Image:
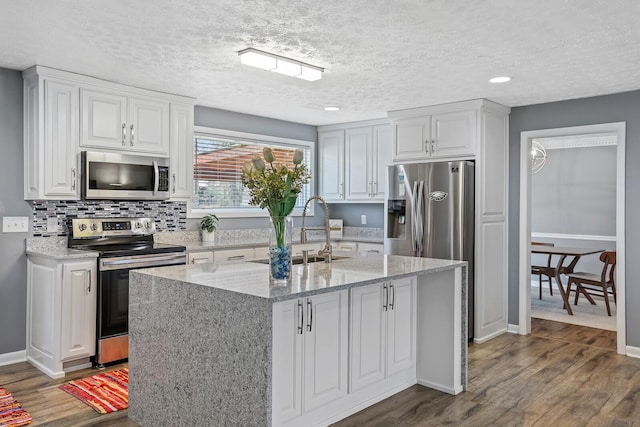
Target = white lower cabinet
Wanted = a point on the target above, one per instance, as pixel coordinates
(383, 331)
(61, 314)
(310, 356)
(233, 255)
(205, 257)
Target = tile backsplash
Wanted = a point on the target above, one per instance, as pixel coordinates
(169, 216)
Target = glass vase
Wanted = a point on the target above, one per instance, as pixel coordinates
(280, 250)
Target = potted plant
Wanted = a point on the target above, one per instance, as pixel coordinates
(208, 226)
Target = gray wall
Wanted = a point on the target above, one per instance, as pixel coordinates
(350, 213)
(624, 107)
(239, 122)
(575, 193)
(13, 268)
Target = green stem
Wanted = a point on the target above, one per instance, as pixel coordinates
(279, 228)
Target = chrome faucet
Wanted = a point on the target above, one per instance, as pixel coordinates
(326, 251)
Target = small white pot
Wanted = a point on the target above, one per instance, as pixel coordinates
(208, 237)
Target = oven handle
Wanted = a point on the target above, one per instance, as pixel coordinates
(141, 262)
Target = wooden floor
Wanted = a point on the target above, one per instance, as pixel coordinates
(560, 375)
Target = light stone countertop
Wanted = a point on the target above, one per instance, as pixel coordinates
(253, 278)
(55, 248)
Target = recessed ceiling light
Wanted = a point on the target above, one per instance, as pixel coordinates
(502, 79)
(332, 108)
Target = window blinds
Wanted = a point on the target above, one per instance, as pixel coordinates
(217, 170)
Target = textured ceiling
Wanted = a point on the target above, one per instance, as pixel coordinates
(379, 55)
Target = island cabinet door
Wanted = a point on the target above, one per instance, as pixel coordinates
(325, 349)
(288, 330)
(368, 341)
(401, 325)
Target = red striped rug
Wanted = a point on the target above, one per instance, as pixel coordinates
(108, 392)
(11, 413)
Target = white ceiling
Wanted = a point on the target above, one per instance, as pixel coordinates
(379, 55)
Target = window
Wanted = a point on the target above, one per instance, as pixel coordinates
(217, 169)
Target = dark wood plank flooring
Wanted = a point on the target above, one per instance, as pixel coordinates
(560, 375)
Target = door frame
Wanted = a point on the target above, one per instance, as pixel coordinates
(524, 264)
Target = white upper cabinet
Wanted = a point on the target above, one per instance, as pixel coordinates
(352, 161)
(181, 167)
(331, 165)
(65, 113)
(435, 136)
(112, 120)
(50, 138)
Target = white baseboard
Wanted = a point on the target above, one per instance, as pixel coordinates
(445, 389)
(489, 337)
(11, 358)
(513, 329)
(633, 351)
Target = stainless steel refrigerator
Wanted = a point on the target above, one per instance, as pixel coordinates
(430, 213)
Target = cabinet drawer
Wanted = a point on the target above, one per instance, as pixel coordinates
(233, 255)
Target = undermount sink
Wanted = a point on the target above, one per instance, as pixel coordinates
(312, 258)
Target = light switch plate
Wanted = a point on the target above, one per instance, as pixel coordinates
(15, 224)
(363, 219)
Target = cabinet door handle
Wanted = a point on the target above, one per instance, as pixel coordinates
(426, 146)
(341, 190)
(88, 276)
(235, 258)
(309, 315)
(73, 179)
(385, 297)
(433, 146)
(375, 192)
(370, 189)
(300, 318)
(131, 135)
(174, 182)
(124, 134)
(392, 289)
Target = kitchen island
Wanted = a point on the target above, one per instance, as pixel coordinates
(216, 345)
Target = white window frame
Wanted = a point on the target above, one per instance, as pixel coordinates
(251, 211)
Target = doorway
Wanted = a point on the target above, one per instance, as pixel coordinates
(618, 131)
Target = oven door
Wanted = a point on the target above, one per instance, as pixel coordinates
(113, 300)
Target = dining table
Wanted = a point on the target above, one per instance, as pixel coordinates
(564, 253)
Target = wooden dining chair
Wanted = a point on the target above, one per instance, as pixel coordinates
(541, 270)
(601, 284)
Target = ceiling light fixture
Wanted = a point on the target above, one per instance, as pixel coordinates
(332, 108)
(538, 156)
(279, 64)
(502, 79)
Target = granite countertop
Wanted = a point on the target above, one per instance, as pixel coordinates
(193, 246)
(55, 248)
(253, 278)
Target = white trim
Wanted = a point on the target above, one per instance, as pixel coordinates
(524, 261)
(489, 337)
(253, 212)
(11, 358)
(633, 351)
(574, 236)
(577, 141)
(354, 125)
(513, 329)
(445, 389)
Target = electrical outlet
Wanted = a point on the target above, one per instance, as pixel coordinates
(363, 219)
(15, 224)
(52, 224)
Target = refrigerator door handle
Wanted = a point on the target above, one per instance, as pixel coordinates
(420, 218)
(417, 218)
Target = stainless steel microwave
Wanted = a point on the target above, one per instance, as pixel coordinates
(115, 176)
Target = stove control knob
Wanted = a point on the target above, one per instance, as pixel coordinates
(94, 227)
(138, 225)
(82, 227)
(147, 225)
